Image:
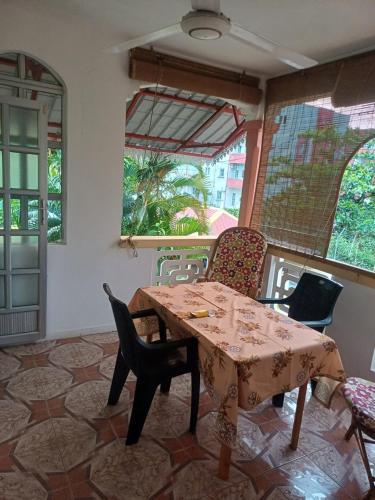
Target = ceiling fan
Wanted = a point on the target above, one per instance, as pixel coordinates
(206, 22)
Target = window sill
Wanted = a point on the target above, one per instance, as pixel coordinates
(339, 269)
(166, 241)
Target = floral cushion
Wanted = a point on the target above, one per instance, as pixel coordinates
(360, 396)
(238, 260)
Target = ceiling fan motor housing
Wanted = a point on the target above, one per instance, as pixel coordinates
(205, 24)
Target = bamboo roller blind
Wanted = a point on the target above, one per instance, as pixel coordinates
(307, 144)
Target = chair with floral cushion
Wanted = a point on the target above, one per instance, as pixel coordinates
(360, 396)
(238, 260)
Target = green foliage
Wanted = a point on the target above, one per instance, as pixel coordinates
(54, 220)
(153, 193)
(353, 235)
(300, 187)
(54, 170)
(233, 211)
(54, 229)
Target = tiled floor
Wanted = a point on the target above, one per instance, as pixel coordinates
(60, 441)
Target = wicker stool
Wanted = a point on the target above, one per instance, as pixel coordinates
(360, 396)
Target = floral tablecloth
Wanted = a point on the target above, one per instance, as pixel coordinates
(247, 351)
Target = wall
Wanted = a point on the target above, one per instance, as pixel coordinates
(97, 86)
(353, 328)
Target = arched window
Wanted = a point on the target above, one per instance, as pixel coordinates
(26, 77)
(353, 234)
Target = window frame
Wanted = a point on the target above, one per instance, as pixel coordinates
(22, 84)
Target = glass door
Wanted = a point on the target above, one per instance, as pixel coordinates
(23, 220)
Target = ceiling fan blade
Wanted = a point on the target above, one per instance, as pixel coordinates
(287, 56)
(142, 40)
(212, 5)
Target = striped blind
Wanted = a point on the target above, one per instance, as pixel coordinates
(307, 144)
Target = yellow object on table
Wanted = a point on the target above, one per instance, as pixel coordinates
(202, 313)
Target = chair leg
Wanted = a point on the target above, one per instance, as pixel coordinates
(366, 463)
(278, 400)
(118, 380)
(350, 431)
(195, 386)
(165, 386)
(313, 384)
(144, 394)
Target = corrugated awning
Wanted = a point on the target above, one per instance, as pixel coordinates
(173, 121)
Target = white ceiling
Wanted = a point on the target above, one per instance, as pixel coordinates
(321, 29)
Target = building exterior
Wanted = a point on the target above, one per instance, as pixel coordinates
(225, 178)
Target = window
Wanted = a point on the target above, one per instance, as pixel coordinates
(300, 177)
(181, 194)
(25, 77)
(233, 199)
(353, 234)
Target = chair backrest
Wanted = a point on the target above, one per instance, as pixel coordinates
(314, 298)
(238, 260)
(129, 341)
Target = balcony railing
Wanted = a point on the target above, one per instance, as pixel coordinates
(179, 265)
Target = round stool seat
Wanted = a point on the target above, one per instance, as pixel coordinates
(360, 396)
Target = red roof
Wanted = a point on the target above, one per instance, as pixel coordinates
(218, 219)
(239, 158)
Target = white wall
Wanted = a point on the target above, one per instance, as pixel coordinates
(353, 328)
(97, 88)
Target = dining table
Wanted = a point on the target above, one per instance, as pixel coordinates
(248, 352)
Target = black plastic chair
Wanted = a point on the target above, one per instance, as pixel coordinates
(311, 303)
(154, 364)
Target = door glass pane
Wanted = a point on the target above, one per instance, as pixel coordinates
(25, 290)
(23, 127)
(1, 167)
(24, 252)
(23, 171)
(24, 211)
(2, 252)
(54, 231)
(1, 212)
(2, 291)
(8, 64)
(54, 170)
(1, 124)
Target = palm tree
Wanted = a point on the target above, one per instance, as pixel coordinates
(154, 193)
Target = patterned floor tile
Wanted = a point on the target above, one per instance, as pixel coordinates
(8, 365)
(135, 472)
(107, 367)
(199, 478)
(59, 440)
(31, 349)
(102, 338)
(344, 465)
(39, 383)
(56, 445)
(18, 485)
(168, 417)
(14, 416)
(76, 355)
(300, 479)
(89, 400)
(181, 387)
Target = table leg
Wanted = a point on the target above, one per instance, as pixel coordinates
(298, 416)
(224, 462)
